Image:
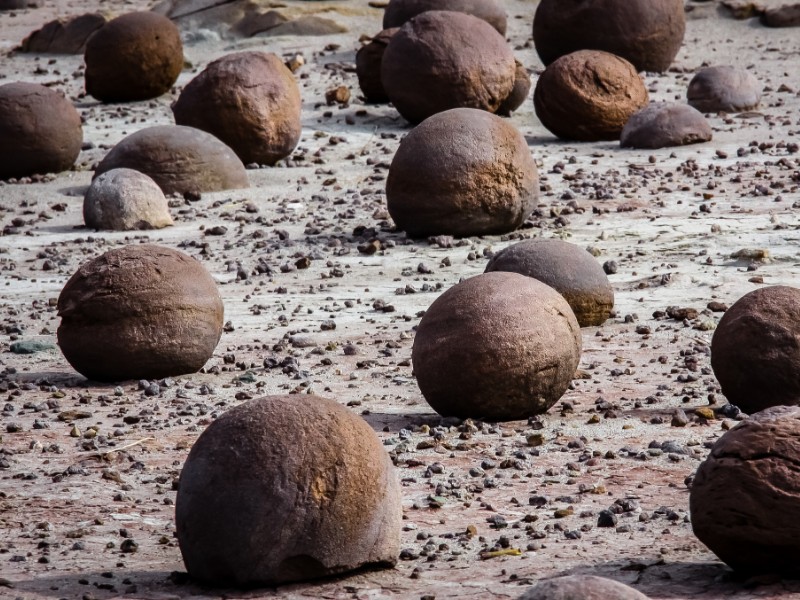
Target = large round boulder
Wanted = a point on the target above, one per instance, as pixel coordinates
(139, 312)
(40, 130)
(179, 159)
(755, 351)
(286, 488)
(124, 199)
(565, 267)
(647, 33)
(368, 66)
(441, 60)
(745, 497)
(581, 587)
(498, 346)
(250, 101)
(136, 56)
(400, 11)
(462, 172)
(588, 96)
(665, 124)
(728, 89)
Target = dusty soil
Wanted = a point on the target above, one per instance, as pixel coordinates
(671, 219)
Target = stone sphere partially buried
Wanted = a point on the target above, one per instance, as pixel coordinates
(139, 312)
(441, 60)
(728, 89)
(755, 351)
(40, 130)
(124, 199)
(588, 96)
(663, 125)
(581, 587)
(498, 346)
(491, 11)
(462, 172)
(287, 488)
(745, 497)
(567, 268)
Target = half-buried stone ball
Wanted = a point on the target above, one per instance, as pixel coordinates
(441, 60)
(250, 101)
(124, 199)
(755, 351)
(286, 488)
(499, 346)
(136, 56)
(581, 587)
(179, 159)
(588, 96)
(745, 497)
(462, 172)
(728, 89)
(139, 312)
(519, 93)
(663, 124)
(368, 66)
(40, 130)
(647, 33)
(491, 11)
(565, 267)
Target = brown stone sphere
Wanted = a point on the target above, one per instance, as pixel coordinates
(462, 172)
(499, 347)
(565, 267)
(581, 587)
(755, 351)
(368, 66)
(728, 89)
(519, 93)
(286, 488)
(647, 33)
(40, 130)
(136, 56)
(665, 124)
(588, 96)
(491, 11)
(745, 497)
(139, 312)
(179, 159)
(441, 60)
(249, 100)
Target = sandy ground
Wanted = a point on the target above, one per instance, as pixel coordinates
(671, 219)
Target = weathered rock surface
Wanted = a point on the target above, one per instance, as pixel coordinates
(728, 89)
(63, 36)
(581, 587)
(124, 199)
(400, 11)
(663, 124)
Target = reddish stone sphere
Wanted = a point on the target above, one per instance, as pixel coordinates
(647, 33)
(40, 130)
(136, 56)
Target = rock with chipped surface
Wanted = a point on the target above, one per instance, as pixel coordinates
(519, 93)
(399, 12)
(124, 199)
(581, 587)
(663, 124)
(783, 16)
(63, 36)
(725, 88)
(287, 488)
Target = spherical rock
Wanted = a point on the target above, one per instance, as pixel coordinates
(250, 101)
(499, 346)
(662, 124)
(581, 587)
(647, 33)
(441, 60)
(179, 159)
(40, 130)
(588, 96)
(755, 351)
(368, 66)
(136, 56)
(139, 312)
(728, 89)
(286, 488)
(400, 11)
(565, 267)
(124, 199)
(462, 172)
(745, 497)
(519, 93)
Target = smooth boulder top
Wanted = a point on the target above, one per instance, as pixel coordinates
(663, 124)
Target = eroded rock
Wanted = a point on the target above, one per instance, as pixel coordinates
(63, 36)
(124, 199)
(581, 587)
(728, 89)
(662, 124)
(400, 11)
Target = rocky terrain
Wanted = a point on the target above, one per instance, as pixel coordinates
(322, 296)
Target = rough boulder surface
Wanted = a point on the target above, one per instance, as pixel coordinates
(139, 312)
(64, 36)
(647, 33)
(462, 172)
(368, 66)
(755, 351)
(728, 89)
(567, 268)
(519, 93)
(745, 498)
(491, 11)
(663, 124)
(250, 101)
(498, 346)
(287, 488)
(441, 60)
(124, 199)
(581, 587)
